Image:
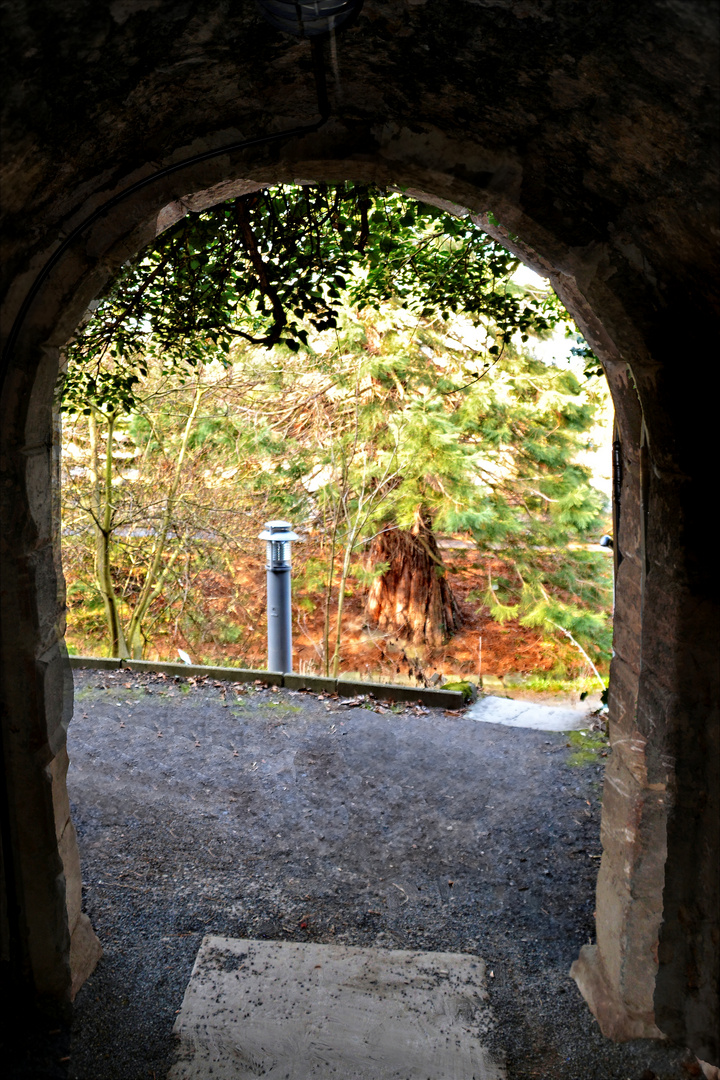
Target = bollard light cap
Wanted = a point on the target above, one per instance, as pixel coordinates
(278, 530)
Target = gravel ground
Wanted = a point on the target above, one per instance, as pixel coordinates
(218, 808)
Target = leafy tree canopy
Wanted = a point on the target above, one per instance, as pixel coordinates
(274, 265)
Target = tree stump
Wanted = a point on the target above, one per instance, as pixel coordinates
(412, 599)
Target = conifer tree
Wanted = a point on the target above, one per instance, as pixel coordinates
(490, 456)
(398, 329)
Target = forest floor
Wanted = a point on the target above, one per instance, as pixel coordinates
(214, 808)
(226, 624)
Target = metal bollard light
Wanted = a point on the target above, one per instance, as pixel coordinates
(279, 535)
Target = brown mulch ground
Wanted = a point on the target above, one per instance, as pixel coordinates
(232, 606)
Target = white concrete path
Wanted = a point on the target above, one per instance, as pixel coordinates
(300, 1011)
(526, 714)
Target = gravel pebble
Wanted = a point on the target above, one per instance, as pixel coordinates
(217, 808)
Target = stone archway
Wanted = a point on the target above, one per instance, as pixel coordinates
(624, 271)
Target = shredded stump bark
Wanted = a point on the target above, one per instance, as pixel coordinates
(412, 599)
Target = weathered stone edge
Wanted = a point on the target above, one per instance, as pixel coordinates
(616, 1020)
(444, 699)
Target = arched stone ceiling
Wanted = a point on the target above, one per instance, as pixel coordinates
(597, 120)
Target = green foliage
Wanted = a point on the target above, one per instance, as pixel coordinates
(381, 424)
(467, 689)
(275, 265)
(84, 600)
(228, 632)
(553, 683)
(586, 746)
(393, 374)
(309, 579)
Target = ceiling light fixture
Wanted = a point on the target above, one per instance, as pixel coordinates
(309, 18)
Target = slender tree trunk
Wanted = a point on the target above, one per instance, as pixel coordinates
(412, 599)
(155, 578)
(349, 546)
(102, 509)
(328, 590)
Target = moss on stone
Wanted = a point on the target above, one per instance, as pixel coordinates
(586, 746)
(467, 689)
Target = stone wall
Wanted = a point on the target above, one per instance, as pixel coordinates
(590, 133)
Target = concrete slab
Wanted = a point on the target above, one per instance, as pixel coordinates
(301, 1010)
(526, 714)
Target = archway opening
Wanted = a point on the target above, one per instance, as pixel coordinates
(416, 407)
(629, 1019)
(320, 756)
